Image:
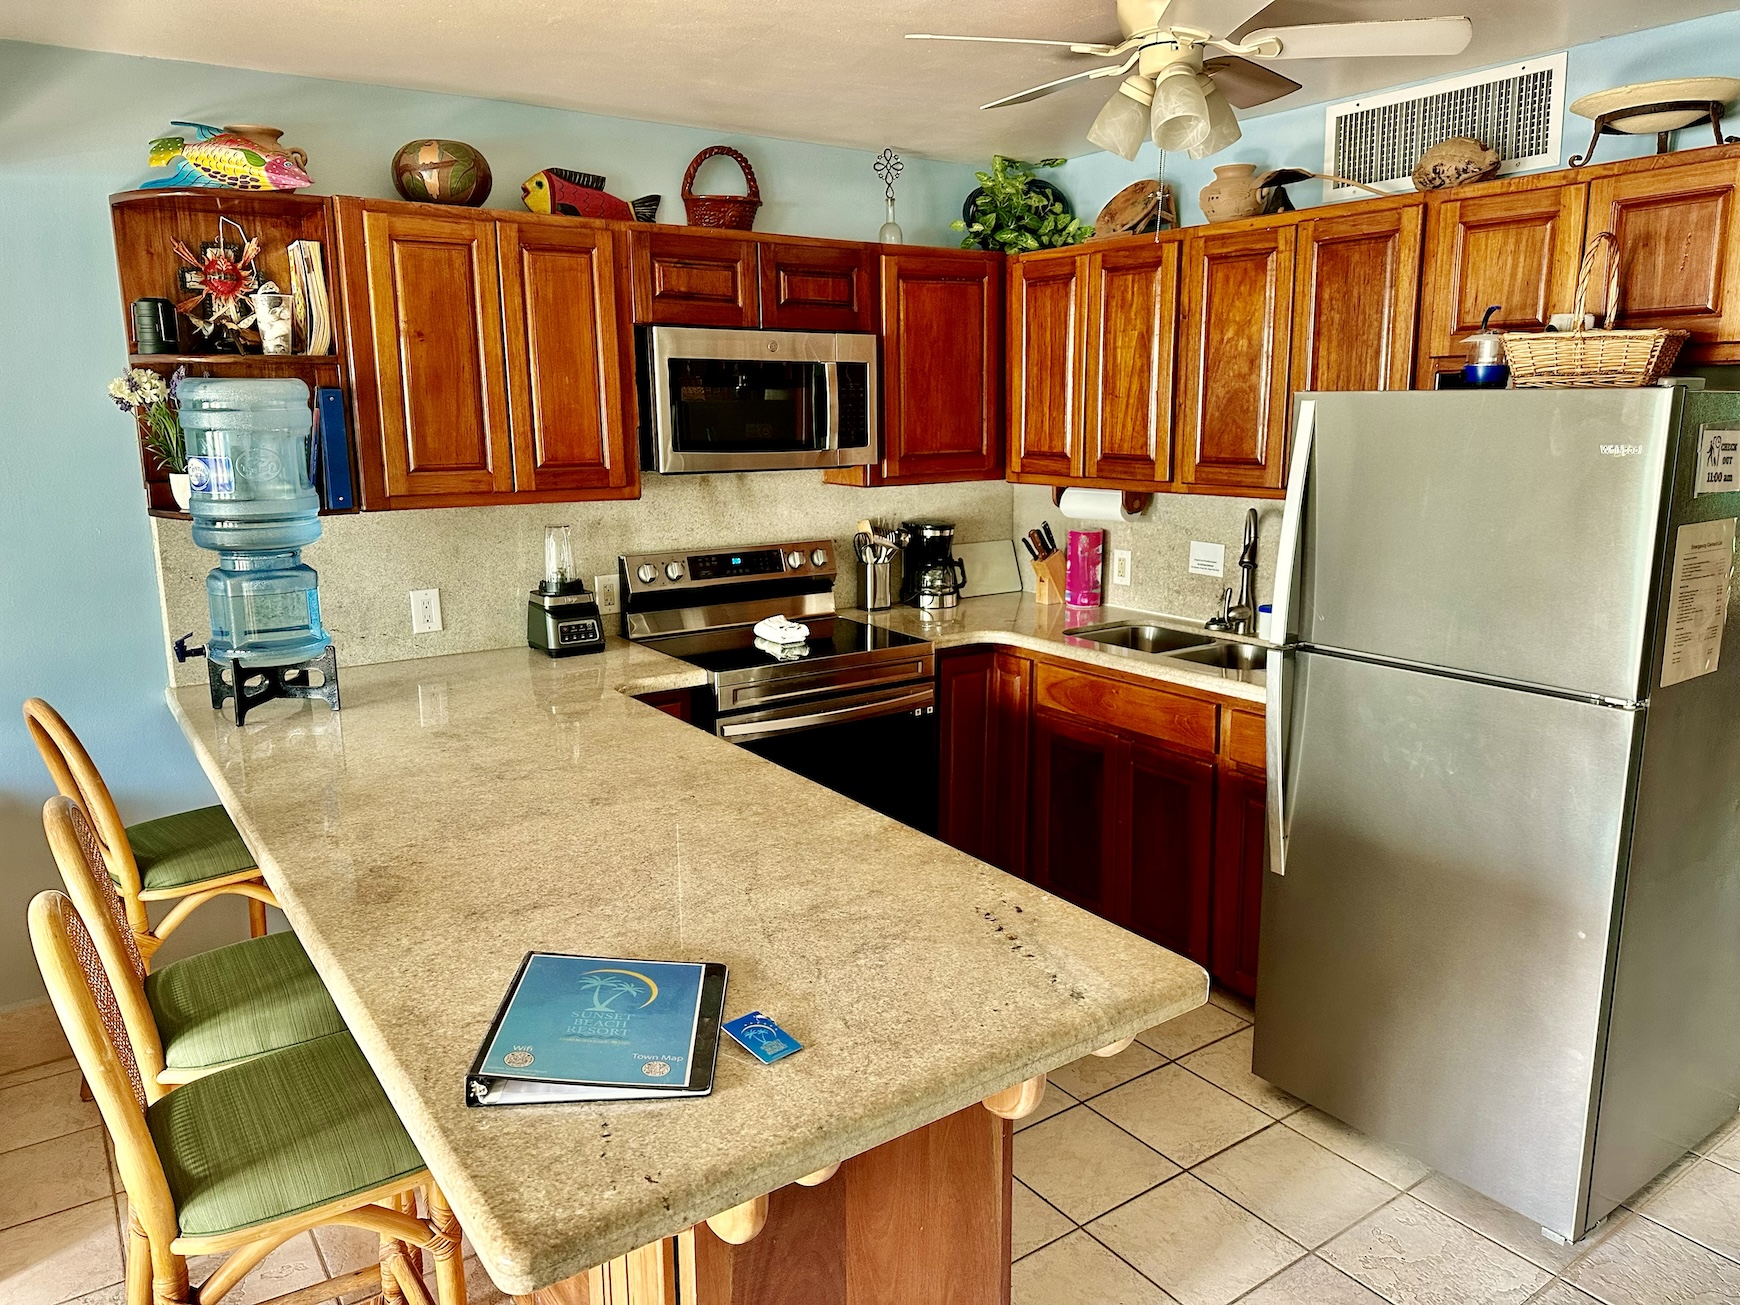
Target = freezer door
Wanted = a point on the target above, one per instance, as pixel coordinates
(1432, 963)
(1507, 533)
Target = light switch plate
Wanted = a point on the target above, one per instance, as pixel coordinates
(1207, 559)
(1122, 568)
(605, 591)
(425, 611)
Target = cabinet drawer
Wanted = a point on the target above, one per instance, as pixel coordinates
(1134, 709)
(1242, 738)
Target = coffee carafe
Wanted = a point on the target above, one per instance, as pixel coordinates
(933, 577)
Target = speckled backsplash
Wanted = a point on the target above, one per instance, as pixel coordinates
(484, 559)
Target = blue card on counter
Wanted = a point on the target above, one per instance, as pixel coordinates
(598, 1028)
(761, 1037)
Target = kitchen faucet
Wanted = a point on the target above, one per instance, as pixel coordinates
(1241, 617)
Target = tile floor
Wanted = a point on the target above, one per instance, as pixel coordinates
(1170, 1173)
(1166, 1174)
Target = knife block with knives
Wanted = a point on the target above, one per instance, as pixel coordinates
(1046, 559)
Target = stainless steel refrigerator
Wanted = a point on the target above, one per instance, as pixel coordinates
(1502, 924)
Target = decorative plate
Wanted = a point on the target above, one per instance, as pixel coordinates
(1723, 89)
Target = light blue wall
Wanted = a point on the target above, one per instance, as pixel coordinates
(1701, 47)
(80, 620)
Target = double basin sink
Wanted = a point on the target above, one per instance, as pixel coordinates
(1196, 647)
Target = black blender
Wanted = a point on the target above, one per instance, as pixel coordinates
(933, 576)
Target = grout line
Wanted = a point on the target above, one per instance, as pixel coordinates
(1073, 1225)
(1643, 1214)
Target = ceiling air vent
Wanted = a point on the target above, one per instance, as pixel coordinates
(1517, 110)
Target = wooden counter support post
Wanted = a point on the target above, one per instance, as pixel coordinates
(1019, 1101)
(1115, 1048)
(820, 1176)
(740, 1223)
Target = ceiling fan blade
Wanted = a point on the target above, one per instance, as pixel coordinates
(1222, 17)
(1079, 47)
(1400, 36)
(1037, 92)
(1246, 84)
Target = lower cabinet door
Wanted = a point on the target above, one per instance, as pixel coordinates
(1167, 841)
(1238, 877)
(1075, 800)
(965, 706)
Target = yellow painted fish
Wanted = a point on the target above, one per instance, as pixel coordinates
(215, 157)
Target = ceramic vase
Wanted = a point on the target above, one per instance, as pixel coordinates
(1233, 193)
(181, 488)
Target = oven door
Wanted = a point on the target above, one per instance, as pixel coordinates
(729, 400)
(877, 747)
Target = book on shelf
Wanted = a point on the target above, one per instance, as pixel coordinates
(597, 1028)
(311, 309)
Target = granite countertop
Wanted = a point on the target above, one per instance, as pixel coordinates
(461, 810)
(1016, 619)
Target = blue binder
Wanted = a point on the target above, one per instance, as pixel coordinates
(333, 450)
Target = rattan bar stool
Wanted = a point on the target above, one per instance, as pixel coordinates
(194, 1016)
(189, 858)
(243, 1160)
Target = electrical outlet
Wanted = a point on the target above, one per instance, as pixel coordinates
(1207, 559)
(1122, 568)
(605, 591)
(425, 611)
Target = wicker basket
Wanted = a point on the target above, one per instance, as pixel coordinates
(1603, 358)
(734, 211)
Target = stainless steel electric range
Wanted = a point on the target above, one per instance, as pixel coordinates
(853, 708)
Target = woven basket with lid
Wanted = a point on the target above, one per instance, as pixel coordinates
(736, 212)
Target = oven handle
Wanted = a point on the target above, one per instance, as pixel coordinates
(745, 731)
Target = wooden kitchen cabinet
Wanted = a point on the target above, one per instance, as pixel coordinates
(687, 278)
(942, 370)
(569, 358)
(1514, 243)
(1167, 838)
(1129, 363)
(983, 698)
(422, 292)
(811, 286)
(1679, 251)
(1355, 297)
(1046, 336)
(1232, 419)
(1078, 771)
(1240, 862)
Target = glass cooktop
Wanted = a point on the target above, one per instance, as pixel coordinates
(722, 651)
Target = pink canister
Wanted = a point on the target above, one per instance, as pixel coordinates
(1082, 578)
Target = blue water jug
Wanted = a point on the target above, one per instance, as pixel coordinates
(254, 504)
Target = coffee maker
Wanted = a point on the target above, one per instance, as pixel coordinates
(933, 576)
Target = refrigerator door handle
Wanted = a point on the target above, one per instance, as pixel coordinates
(1274, 760)
(1287, 561)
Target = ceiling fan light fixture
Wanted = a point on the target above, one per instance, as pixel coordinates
(1122, 125)
(1223, 123)
(1180, 117)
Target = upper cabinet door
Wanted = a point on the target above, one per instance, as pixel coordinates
(567, 356)
(1046, 332)
(815, 287)
(433, 342)
(1232, 424)
(1355, 298)
(1131, 347)
(1679, 252)
(684, 279)
(1518, 248)
(942, 366)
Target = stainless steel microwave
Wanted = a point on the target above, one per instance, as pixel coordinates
(713, 399)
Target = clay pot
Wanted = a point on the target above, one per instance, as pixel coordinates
(269, 137)
(1233, 193)
(1455, 162)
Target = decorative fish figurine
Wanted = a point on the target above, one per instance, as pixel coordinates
(572, 194)
(216, 157)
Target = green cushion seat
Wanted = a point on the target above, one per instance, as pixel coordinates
(239, 1001)
(188, 848)
(279, 1135)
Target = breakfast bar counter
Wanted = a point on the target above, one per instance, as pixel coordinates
(463, 810)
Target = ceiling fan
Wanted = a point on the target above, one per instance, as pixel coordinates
(1183, 100)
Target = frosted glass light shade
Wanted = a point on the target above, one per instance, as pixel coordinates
(1223, 123)
(1122, 125)
(1180, 117)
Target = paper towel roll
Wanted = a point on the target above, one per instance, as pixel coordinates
(1093, 505)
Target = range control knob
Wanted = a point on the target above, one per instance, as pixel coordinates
(819, 557)
(673, 570)
(646, 573)
(794, 559)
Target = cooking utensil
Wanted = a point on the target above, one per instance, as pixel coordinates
(1050, 539)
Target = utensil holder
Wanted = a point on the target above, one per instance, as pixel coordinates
(1048, 576)
(878, 578)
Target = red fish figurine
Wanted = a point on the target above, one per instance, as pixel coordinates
(573, 194)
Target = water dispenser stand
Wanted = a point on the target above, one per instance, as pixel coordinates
(245, 687)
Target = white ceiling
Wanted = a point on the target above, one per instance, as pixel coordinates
(830, 71)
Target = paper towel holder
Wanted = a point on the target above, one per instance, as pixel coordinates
(1135, 503)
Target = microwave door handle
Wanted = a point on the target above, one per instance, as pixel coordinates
(831, 381)
(749, 730)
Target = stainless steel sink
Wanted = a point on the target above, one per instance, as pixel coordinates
(1143, 638)
(1227, 656)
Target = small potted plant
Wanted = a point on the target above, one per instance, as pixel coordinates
(1015, 211)
(149, 399)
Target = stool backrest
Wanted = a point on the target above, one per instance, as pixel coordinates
(80, 858)
(90, 1016)
(76, 776)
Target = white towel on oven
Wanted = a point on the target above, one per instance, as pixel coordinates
(781, 629)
